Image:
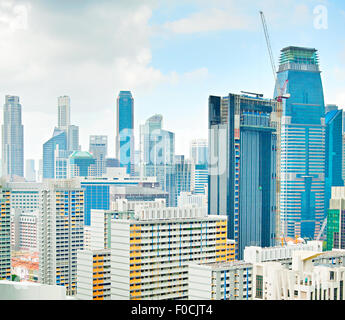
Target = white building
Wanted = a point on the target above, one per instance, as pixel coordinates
(313, 276)
(61, 232)
(24, 230)
(220, 281)
(255, 254)
(186, 199)
(11, 290)
(151, 249)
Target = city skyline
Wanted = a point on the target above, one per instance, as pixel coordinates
(162, 52)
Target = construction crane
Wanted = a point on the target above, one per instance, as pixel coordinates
(280, 90)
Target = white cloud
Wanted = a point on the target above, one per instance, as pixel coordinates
(209, 20)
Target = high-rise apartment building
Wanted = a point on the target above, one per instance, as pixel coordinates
(242, 168)
(125, 130)
(302, 143)
(12, 138)
(98, 147)
(60, 232)
(151, 249)
(5, 233)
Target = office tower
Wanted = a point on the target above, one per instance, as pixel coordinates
(5, 233)
(160, 271)
(64, 123)
(60, 232)
(242, 148)
(12, 138)
(125, 130)
(73, 138)
(330, 107)
(98, 147)
(303, 143)
(199, 178)
(98, 190)
(336, 219)
(30, 172)
(24, 195)
(199, 151)
(157, 152)
(51, 149)
(333, 152)
(81, 164)
(112, 163)
(64, 112)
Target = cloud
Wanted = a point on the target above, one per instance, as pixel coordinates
(209, 20)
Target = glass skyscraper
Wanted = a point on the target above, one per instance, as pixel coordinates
(157, 152)
(334, 152)
(98, 147)
(12, 138)
(242, 168)
(302, 143)
(125, 130)
(57, 143)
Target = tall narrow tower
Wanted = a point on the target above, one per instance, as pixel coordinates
(302, 143)
(125, 130)
(12, 138)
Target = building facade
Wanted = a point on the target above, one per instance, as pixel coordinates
(5, 233)
(125, 130)
(60, 232)
(242, 168)
(12, 138)
(151, 249)
(98, 147)
(302, 143)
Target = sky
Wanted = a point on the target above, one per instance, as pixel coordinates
(170, 54)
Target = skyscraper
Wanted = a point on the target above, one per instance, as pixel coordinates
(98, 147)
(125, 130)
(64, 123)
(81, 164)
(334, 152)
(302, 143)
(12, 138)
(30, 172)
(57, 143)
(242, 168)
(199, 151)
(157, 149)
(64, 112)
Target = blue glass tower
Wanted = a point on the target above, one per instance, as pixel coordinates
(334, 157)
(58, 140)
(302, 143)
(125, 130)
